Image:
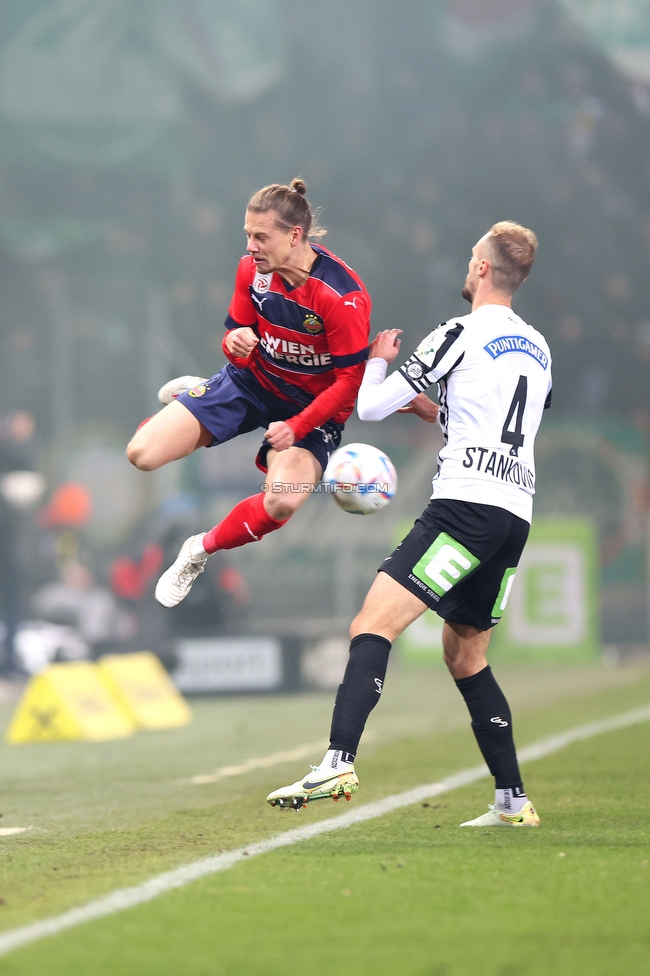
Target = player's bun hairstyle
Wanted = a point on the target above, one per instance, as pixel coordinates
(291, 206)
(513, 250)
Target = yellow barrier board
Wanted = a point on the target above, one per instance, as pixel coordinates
(68, 701)
(144, 690)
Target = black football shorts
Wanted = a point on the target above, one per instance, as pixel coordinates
(460, 559)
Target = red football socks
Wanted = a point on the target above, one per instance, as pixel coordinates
(247, 522)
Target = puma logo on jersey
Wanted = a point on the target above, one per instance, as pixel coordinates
(353, 303)
(259, 301)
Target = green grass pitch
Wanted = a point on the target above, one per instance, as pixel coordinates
(408, 893)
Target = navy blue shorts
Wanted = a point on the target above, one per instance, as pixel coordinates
(233, 402)
(460, 558)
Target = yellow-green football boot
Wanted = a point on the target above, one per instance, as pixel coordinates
(319, 784)
(526, 817)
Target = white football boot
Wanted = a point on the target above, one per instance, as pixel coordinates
(526, 817)
(176, 582)
(181, 384)
(319, 784)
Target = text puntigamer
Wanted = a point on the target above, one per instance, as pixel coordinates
(515, 343)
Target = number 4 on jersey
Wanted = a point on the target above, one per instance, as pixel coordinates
(516, 415)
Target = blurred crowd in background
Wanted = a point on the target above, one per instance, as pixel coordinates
(64, 598)
(132, 135)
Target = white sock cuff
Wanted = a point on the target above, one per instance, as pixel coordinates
(506, 802)
(333, 759)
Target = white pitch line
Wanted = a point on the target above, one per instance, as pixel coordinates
(261, 762)
(265, 762)
(125, 898)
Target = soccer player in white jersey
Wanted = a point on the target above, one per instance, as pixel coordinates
(494, 380)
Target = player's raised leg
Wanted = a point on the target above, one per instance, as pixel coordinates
(387, 610)
(292, 476)
(171, 434)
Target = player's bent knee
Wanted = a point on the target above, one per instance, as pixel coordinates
(283, 504)
(280, 506)
(140, 458)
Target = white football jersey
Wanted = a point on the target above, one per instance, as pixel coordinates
(494, 380)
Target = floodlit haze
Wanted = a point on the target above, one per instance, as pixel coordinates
(132, 135)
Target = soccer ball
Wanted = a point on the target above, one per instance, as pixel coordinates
(361, 478)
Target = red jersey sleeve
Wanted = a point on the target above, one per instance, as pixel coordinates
(241, 312)
(239, 361)
(337, 398)
(241, 309)
(347, 325)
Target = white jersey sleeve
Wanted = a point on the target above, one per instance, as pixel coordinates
(378, 396)
(436, 356)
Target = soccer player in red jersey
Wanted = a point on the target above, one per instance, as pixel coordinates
(296, 340)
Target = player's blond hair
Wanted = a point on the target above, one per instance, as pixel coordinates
(513, 250)
(290, 204)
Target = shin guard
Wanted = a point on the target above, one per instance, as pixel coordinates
(492, 726)
(247, 522)
(359, 691)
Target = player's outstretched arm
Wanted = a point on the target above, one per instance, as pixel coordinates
(380, 395)
(422, 407)
(385, 345)
(341, 394)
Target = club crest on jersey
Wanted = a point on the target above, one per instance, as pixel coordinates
(313, 323)
(414, 370)
(262, 283)
(514, 343)
(198, 391)
(428, 347)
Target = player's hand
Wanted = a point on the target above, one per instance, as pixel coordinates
(241, 342)
(385, 345)
(280, 435)
(423, 407)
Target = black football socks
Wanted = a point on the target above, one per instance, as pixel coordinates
(359, 691)
(492, 726)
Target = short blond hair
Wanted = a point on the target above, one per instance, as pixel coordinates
(513, 250)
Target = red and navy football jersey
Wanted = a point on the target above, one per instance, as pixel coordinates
(313, 337)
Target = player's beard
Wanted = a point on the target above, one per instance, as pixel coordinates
(467, 295)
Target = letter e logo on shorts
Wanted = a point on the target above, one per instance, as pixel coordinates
(444, 564)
